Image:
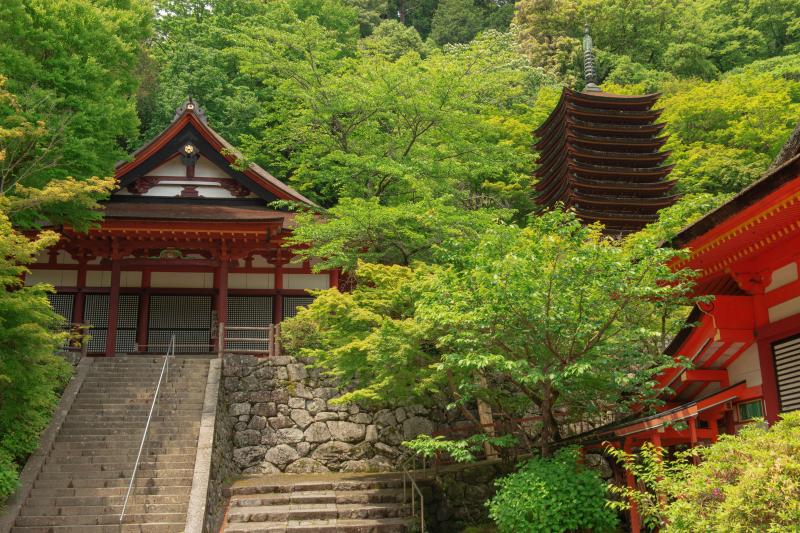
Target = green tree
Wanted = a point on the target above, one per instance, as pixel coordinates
(392, 40)
(30, 374)
(552, 319)
(72, 63)
(459, 21)
(452, 123)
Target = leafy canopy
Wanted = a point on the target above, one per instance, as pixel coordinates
(553, 318)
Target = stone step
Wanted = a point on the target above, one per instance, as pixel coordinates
(101, 501)
(110, 519)
(111, 482)
(126, 451)
(379, 525)
(83, 461)
(76, 510)
(320, 485)
(114, 419)
(155, 439)
(323, 496)
(316, 511)
(100, 428)
(99, 476)
(145, 468)
(107, 492)
(164, 527)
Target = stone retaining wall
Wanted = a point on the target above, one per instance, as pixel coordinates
(283, 421)
(223, 468)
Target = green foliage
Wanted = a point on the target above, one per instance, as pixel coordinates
(747, 482)
(72, 64)
(461, 451)
(459, 21)
(30, 373)
(724, 134)
(454, 122)
(357, 229)
(393, 40)
(552, 495)
(551, 318)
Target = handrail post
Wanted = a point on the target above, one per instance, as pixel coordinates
(221, 339)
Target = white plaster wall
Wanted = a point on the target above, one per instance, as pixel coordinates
(204, 168)
(99, 278)
(746, 367)
(259, 261)
(130, 279)
(182, 280)
(58, 278)
(251, 281)
(784, 309)
(782, 276)
(173, 167)
(64, 258)
(305, 281)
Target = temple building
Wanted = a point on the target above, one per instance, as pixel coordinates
(600, 153)
(189, 240)
(744, 345)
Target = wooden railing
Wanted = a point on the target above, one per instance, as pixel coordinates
(266, 344)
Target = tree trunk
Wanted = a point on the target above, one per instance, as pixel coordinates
(549, 425)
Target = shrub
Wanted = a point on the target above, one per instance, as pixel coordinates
(744, 482)
(552, 495)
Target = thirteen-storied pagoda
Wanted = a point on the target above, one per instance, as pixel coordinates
(600, 153)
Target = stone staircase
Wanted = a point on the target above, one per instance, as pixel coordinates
(85, 476)
(319, 503)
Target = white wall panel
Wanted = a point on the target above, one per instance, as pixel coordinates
(784, 310)
(251, 281)
(182, 280)
(58, 278)
(305, 281)
(746, 367)
(782, 276)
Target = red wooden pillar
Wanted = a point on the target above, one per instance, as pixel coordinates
(113, 308)
(80, 297)
(692, 422)
(712, 425)
(631, 483)
(769, 383)
(277, 308)
(222, 291)
(143, 318)
(333, 277)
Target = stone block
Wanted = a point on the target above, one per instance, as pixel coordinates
(306, 465)
(289, 435)
(317, 432)
(346, 431)
(238, 409)
(257, 422)
(248, 456)
(297, 403)
(301, 418)
(416, 425)
(281, 455)
(248, 437)
(297, 372)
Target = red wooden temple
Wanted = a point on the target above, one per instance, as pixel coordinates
(745, 345)
(600, 153)
(189, 240)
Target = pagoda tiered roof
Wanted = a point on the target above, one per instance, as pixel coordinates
(601, 154)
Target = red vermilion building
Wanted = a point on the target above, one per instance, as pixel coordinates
(745, 345)
(188, 241)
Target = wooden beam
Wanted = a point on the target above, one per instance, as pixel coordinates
(720, 376)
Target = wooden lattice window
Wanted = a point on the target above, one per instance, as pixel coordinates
(291, 304)
(787, 373)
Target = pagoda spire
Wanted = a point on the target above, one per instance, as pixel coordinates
(589, 70)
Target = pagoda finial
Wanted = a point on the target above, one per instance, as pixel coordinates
(589, 71)
(190, 105)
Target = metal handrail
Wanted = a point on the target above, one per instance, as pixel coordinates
(416, 493)
(164, 372)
